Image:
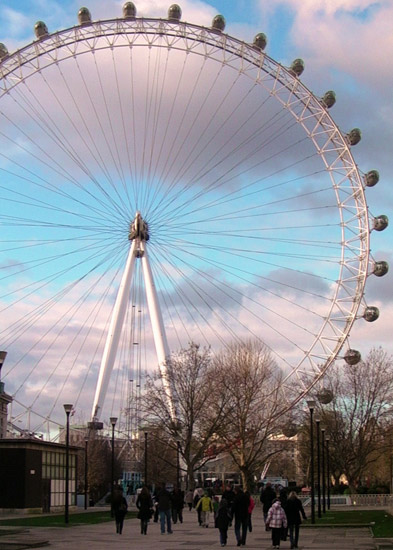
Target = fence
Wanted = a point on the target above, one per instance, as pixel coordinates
(385, 501)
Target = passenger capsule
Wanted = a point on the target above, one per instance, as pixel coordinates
(129, 10)
(174, 12)
(40, 29)
(218, 23)
(260, 41)
(329, 99)
(380, 268)
(352, 357)
(371, 178)
(325, 396)
(354, 136)
(371, 313)
(381, 222)
(3, 51)
(289, 430)
(84, 16)
(297, 67)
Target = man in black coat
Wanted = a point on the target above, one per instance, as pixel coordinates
(164, 505)
(268, 494)
(240, 506)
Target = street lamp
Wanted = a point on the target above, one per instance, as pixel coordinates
(3, 355)
(318, 422)
(327, 439)
(146, 459)
(311, 406)
(68, 409)
(86, 465)
(323, 471)
(113, 421)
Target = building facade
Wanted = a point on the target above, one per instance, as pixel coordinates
(33, 475)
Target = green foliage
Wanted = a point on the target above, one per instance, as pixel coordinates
(380, 521)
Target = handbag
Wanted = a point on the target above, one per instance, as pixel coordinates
(283, 533)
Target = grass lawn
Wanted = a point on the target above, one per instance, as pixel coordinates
(382, 522)
(58, 520)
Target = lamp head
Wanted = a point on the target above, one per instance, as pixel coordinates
(311, 404)
(113, 420)
(68, 408)
(3, 355)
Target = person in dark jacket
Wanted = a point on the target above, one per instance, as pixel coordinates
(222, 520)
(240, 513)
(293, 510)
(164, 505)
(268, 494)
(177, 505)
(283, 496)
(119, 507)
(144, 503)
(229, 496)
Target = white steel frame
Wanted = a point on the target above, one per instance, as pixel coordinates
(308, 110)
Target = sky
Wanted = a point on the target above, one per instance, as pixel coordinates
(347, 46)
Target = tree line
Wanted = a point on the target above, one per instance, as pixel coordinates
(232, 404)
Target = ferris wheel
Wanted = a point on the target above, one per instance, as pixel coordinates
(163, 182)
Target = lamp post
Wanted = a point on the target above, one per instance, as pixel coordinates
(86, 465)
(146, 459)
(318, 422)
(323, 471)
(68, 409)
(3, 355)
(311, 406)
(113, 421)
(327, 439)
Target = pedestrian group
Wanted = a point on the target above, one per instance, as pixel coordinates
(282, 513)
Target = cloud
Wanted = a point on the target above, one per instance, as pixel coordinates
(217, 285)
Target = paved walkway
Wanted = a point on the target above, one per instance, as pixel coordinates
(186, 536)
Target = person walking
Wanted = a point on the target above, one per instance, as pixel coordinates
(222, 520)
(240, 513)
(294, 509)
(119, 507)
(251, 507)
(268, 494)
(276, 520)
(206, 506)
(198, 494)
(144, 503)
(177, 505)
(229, 496)
(164, 505)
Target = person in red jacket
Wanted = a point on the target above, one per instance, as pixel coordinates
(251, 507)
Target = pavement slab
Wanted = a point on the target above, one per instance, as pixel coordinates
(187, 535)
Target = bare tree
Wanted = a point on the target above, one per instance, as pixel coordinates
(200, 409)
(251, 382)
(360, 415)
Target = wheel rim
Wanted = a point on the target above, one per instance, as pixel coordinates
(201, 192)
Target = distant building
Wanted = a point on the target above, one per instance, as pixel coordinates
(32, 475)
